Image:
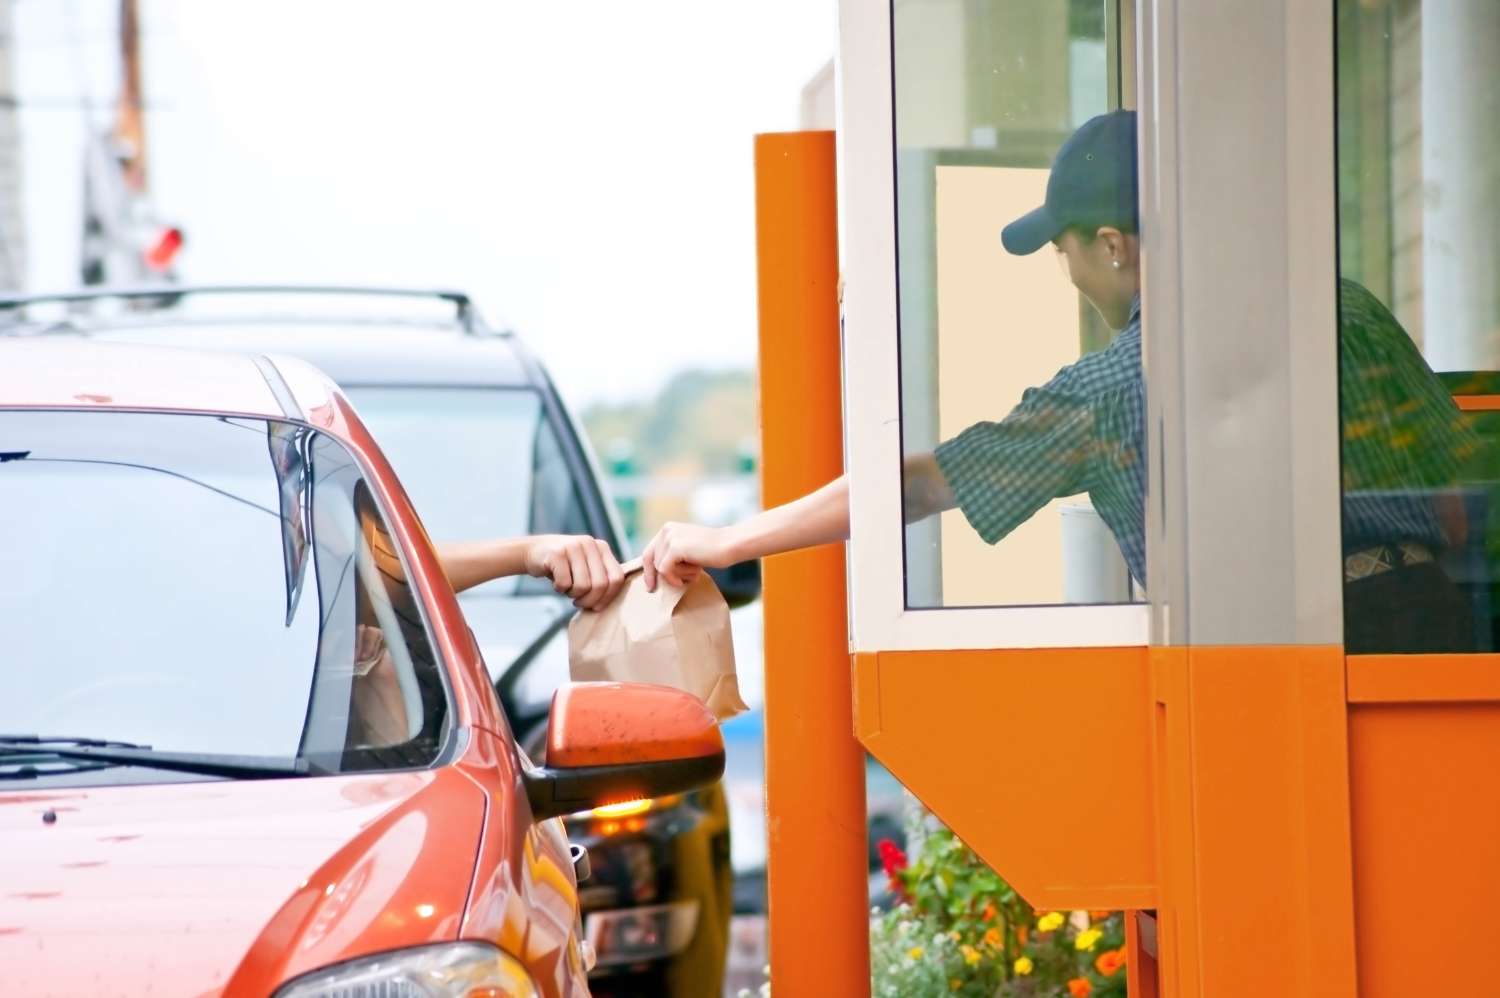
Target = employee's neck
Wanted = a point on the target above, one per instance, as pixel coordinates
(1118, 305)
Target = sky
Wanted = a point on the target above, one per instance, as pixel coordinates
(583, 167)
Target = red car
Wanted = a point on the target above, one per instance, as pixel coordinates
(247, 743)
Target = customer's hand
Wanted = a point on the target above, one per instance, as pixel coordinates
(680, 550)
(583, 568)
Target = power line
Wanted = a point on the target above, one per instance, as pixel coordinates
(11, 101)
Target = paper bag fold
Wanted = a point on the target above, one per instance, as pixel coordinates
(675, 637)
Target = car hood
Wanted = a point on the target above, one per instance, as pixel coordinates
(215, 887)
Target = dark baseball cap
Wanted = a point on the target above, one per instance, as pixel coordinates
(1092, 183)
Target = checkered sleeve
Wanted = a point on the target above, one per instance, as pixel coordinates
(1001, 473)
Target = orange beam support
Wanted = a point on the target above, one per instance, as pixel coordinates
(818, 880)
(1424, 678)
(1252, 758)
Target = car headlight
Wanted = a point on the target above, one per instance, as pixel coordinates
(447, 970)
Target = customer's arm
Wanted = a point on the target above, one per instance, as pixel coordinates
(583, 568)
(679, 549)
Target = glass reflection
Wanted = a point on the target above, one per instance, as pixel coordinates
(1419, 249)
(206, 584)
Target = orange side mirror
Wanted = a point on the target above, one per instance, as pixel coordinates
(613, 742)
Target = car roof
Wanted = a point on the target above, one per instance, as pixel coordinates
(352, 351)
(69, 373)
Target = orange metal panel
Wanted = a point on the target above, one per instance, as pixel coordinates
(1478, 403)
(1426, 809)
(1038, 759)
(1423, 678)
(1257, 898)
(817, 878)
(1171, 762)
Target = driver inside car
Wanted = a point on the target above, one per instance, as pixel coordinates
(580, 567)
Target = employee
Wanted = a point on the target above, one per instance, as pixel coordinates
(1405, 442)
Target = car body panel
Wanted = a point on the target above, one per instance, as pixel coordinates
(524, 896)
(60, 373)
(168, 888)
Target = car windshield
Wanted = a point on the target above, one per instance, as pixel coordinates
(477, 462)
(207, 584)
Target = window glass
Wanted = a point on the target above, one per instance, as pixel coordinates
(477, 463)
(1023, 474)
(1418, 137)
(206, 584)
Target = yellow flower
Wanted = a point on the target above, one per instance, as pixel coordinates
(915, 952)
(1087, 940)
(954, 984)
(1050, 922)
(992, 937)
(971, 955)
(955, 936)
(1024, 966)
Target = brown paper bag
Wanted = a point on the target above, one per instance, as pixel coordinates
(672, 637)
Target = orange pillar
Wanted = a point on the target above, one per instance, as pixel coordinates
(815, 806)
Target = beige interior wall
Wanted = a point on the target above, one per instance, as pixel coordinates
(1004, 324)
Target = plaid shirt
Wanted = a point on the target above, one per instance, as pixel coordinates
(1084, 431)
(1403, 438)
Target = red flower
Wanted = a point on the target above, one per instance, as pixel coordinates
(1079, 987)
(891, 857)
(894, 861)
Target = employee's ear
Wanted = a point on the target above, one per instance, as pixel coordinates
(1119, 245)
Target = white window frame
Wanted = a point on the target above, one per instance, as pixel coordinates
(879, 617)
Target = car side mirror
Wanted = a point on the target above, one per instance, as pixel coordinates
(613, 742)
(739, 583)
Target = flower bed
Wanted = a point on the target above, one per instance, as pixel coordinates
(960, 930)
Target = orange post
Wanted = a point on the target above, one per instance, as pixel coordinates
(818, 880)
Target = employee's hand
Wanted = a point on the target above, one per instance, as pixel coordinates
(581, 567)
(680, 550)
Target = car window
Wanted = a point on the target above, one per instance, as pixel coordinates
(477, 462)
(207, 584)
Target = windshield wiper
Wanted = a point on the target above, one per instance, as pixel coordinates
(127, 754)
(66, 740)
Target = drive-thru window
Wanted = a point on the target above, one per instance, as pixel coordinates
(1277, 673)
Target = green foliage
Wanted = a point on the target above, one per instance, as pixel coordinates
(700, 422)
(962, 931)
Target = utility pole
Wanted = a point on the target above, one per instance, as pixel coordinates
(12, 231)
(130, 122)
(123, 241)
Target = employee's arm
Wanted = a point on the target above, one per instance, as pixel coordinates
(679, 549)
(583, 568)
(924, 489)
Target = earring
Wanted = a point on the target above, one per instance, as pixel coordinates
(1116, 264)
